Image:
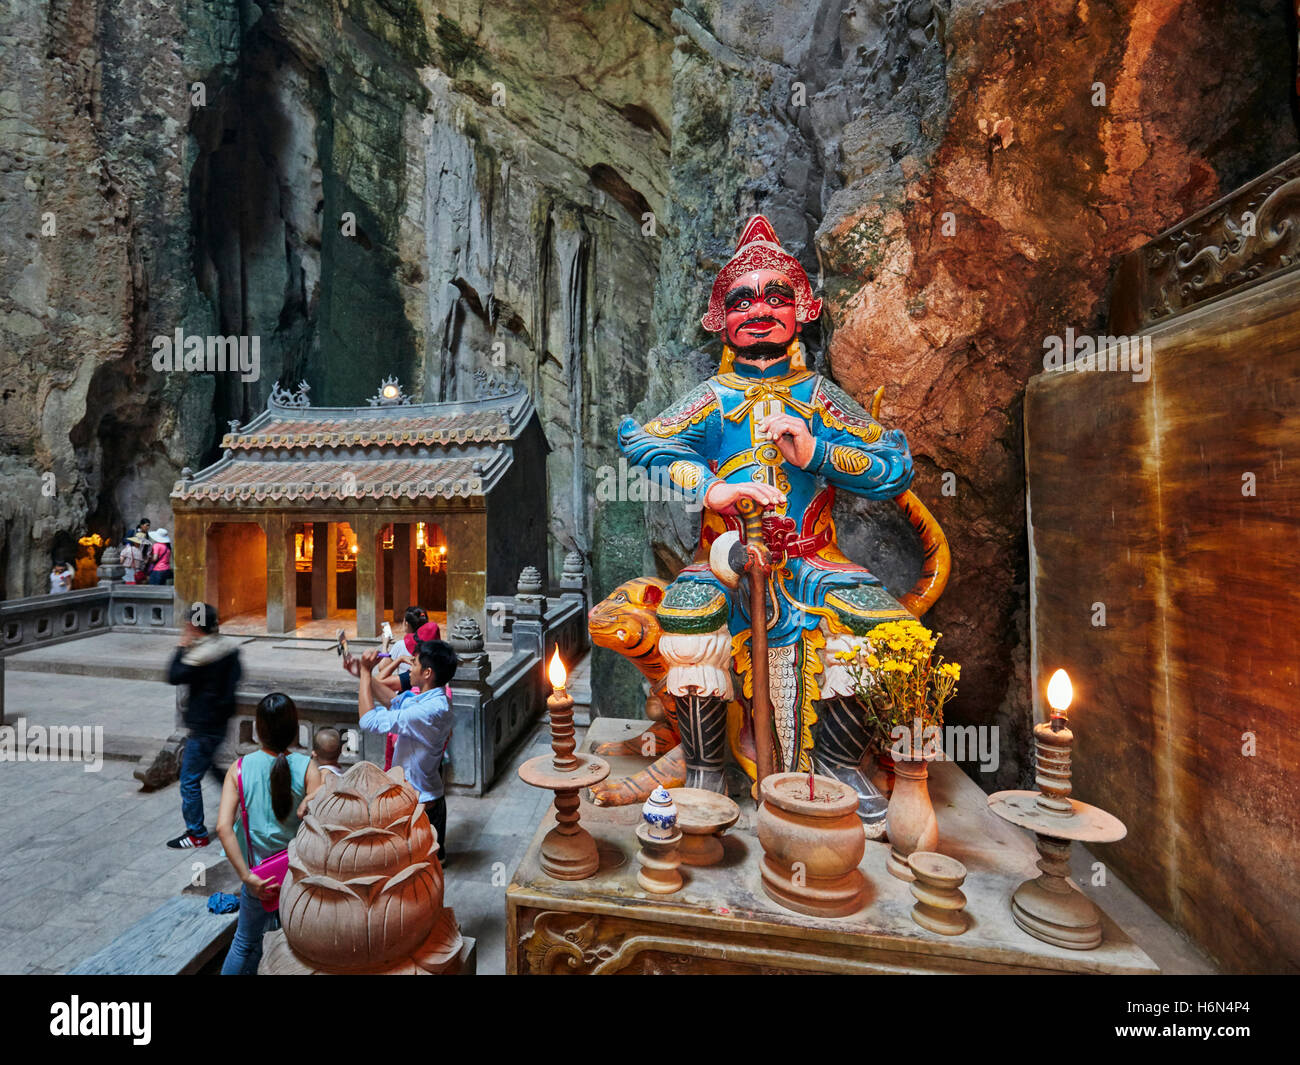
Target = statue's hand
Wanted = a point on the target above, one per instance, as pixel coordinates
(722, 497)
(791, 437)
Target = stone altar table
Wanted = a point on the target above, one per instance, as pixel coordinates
(722, 922)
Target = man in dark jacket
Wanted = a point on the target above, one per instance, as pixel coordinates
(208, 663)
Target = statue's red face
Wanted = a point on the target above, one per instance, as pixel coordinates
(760, 320)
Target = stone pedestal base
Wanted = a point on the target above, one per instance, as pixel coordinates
(937, 890)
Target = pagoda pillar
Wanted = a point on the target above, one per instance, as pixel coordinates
(324, 570)
(405, 581)
(281, 575)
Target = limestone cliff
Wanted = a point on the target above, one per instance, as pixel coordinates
(962, 177)
(427, 188)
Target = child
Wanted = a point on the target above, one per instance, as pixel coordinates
(422, 722)
(60, 578)
(326, 746)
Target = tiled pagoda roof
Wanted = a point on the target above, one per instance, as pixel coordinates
(296, 453)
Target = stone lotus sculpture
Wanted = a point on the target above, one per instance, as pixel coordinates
(364, 890)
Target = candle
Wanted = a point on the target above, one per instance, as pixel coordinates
(1060, 692)
(556, 672)
(559, 706)
(1053, 743)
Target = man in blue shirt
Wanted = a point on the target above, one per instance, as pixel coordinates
(421, 720)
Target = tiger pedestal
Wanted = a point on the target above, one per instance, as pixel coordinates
(721, 921)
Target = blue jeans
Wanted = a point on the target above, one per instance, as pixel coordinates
(195, 761)
(246, 948)
(160, 576)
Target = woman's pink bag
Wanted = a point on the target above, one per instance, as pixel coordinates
(275, 868)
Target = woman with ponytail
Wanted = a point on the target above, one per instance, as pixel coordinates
(259, 819)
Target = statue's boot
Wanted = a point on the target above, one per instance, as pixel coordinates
(841, 743)
(702, 720)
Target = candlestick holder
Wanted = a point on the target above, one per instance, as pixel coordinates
(936, 886)
(1051, 907)
(568, 851)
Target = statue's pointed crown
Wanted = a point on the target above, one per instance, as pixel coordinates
(759, 249)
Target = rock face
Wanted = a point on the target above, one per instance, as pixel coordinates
(385, 187)
(368, 189)
(963, 176)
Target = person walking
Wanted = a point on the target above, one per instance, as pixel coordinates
(208, 664)
(160, 568)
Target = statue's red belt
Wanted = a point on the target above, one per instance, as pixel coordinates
(779, 536)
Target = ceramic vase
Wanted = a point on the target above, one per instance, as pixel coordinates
(910, 820)
(811, 847)
(660, 814)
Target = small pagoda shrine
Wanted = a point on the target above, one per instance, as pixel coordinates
(320, 518)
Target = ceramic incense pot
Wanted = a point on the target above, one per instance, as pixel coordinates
(811, 846)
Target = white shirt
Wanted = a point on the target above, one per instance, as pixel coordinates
(423, 726)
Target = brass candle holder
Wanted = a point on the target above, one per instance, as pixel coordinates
(1051, 907)
(568, 851)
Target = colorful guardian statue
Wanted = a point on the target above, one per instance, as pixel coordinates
(768, 429)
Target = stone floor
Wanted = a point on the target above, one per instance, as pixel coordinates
(82, 858)
(308, 628)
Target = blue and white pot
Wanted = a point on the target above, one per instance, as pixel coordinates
(660, 814)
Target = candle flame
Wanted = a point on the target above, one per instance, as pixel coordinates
(556, 671)
(1060, 691)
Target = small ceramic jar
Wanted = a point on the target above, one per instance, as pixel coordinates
(660, 814)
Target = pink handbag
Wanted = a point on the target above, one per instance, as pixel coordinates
(274, 868)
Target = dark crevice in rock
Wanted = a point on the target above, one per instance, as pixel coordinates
(610, 181)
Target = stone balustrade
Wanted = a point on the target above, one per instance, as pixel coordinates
(36, 620)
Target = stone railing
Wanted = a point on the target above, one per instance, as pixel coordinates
(502, 610)
(40, 620)
(37, 620)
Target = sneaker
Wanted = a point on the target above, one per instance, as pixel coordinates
(187, 841)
